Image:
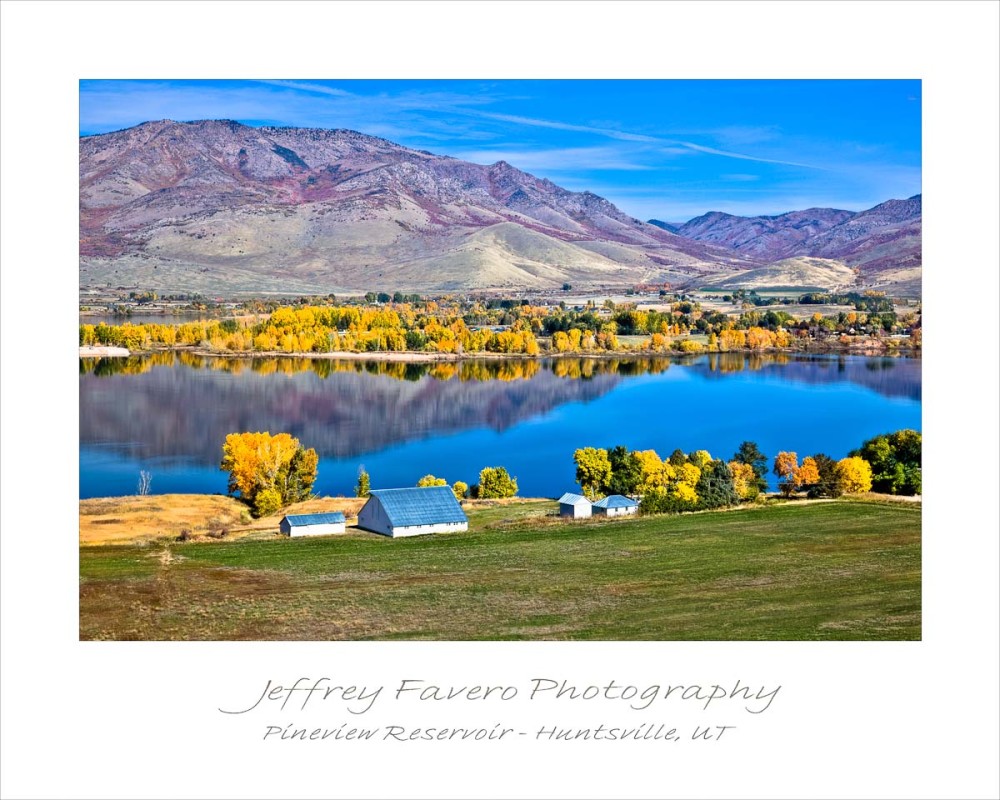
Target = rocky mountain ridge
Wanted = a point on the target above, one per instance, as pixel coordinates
(217, 206)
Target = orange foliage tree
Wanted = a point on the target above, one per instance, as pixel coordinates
(267, 471)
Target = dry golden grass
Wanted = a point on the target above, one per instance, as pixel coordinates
(134, 519)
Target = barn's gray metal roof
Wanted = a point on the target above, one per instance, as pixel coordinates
(572, 499)
(615, 501)
(332, 518)
(425, 505)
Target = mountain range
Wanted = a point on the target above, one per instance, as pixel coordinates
(220, 207)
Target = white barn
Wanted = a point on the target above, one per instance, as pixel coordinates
(574, 505)
(312, 524)
(413, 512)
(616, 505)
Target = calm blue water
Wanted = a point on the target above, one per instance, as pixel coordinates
(171, 418)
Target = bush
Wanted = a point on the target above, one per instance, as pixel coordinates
(267, 502)
(460, 488)
(660, 501)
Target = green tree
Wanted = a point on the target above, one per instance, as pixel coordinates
(593, 470)
(827, 485)
(300, 476)
(678, 458)
(496, 482)
(715, 486)
(895, 459)
(626, 471)
(749, 453)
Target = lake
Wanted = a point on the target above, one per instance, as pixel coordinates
(169, 414)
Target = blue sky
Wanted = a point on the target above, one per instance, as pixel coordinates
(666, 149)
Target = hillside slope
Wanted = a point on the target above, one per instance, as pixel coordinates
(883, 242)
(223, 207)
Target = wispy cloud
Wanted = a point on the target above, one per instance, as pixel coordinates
(302, 86)
(624, 136)
(627, 136)
(700, 148)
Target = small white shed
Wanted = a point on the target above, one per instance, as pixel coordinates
(616, 505)
(413, 512)
(574, 505)
(313, 524)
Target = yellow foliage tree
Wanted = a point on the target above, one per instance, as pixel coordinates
(744, 480)
(808, 473)
(260, 463)
(854, 475)
(655, 471)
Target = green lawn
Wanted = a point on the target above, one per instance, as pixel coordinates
(837, 570)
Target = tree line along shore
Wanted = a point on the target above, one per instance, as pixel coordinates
(272, 474)
(447, 330)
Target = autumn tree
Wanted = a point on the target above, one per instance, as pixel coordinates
(854, 474)
(700, 458)
(496, 482)
(655, 472)
(785, 466)
(364, 485)
(807, 474)
(744, 480)
(827, 485)
(430, 480)
(593, 470)
(268, 472)
(460, 488)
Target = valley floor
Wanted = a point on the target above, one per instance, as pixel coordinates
(833, 570)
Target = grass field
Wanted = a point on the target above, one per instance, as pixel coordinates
(833, 570)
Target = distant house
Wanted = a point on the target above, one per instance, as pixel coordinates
(312, 524)
(574, 505)
(615, 505)
(412, 512)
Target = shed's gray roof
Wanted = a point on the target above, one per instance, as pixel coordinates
(572, 499)
(333, 518)
(616, 501)
(424, 505)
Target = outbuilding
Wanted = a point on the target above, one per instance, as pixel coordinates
(616, 505)
(413, 512)
(574, 505)
(313, 524)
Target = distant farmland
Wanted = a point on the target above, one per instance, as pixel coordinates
(830, 570)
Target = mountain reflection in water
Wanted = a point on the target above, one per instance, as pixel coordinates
(175, 409)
